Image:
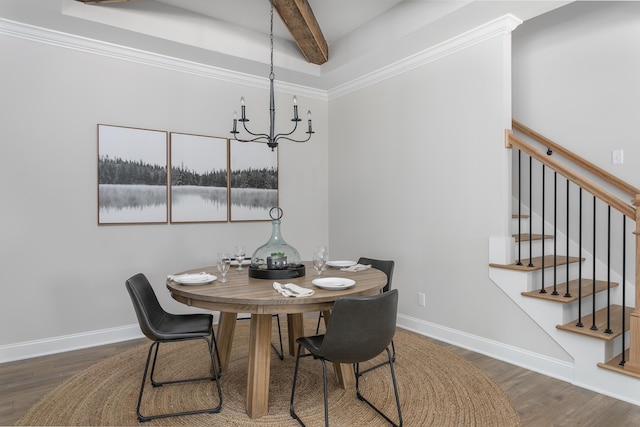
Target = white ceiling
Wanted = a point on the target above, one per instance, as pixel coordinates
(363, 35)
(337, 18)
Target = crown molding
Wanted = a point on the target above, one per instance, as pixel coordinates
(498, 27)
(111, 50)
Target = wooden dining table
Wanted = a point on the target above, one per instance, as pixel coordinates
(244, 294)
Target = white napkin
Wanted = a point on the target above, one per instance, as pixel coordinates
(291, 290)
(357, 267)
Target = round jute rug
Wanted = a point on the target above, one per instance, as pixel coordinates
(437, 388)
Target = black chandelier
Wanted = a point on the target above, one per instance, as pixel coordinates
(271, 138)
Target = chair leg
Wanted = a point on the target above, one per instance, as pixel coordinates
(292, 412)
(215, 377)
(281, 352)
(395, 389)
(326, 393)
(217, 354)
(320, 316)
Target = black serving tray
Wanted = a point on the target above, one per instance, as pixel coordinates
(290, 272)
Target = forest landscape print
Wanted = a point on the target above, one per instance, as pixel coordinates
(254, 181)
(198, 178)
(132, 175)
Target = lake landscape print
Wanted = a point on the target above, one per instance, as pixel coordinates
(198, 178)
(132, 175)
(254, 181)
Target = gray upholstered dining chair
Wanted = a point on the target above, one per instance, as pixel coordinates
(386, 266)
(162, 327)
(360, 328)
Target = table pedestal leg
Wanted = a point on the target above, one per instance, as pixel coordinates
(295, 328)
(224, 339)
(344, 371)
(257, 403)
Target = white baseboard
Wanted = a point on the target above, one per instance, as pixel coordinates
(28, 349)
(43, 347)
(545, 365)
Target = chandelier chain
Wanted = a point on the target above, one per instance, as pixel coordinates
(271, 75)
(271, 138)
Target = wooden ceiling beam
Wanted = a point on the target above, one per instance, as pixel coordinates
(298, 18)
(301, 22)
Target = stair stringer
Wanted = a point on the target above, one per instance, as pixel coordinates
(586, 352)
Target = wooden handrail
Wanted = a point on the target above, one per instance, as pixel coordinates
(589, 186)
(587, 165)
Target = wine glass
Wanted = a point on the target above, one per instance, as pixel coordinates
(223, 263)
(239, 255)
(320, 258)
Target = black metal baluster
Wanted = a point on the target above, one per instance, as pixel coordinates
(608, 330)
(555, 233)
(579, 324)
(567, 293)
(542, 289)
(593, 298)
(624, 284)
(530, 211)
(519, 262)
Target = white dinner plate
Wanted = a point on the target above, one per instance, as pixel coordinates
(333, 283)
(244, 262)
(194, 279)
(341, 264)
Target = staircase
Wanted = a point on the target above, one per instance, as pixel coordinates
(554, 262)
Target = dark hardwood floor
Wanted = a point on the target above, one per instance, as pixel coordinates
(540, 400)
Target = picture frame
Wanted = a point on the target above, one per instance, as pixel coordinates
(199, 178)
(132, 175)
(253, 181)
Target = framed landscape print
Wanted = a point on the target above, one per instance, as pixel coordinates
(132, 175)
(199, 170)
(253, 181)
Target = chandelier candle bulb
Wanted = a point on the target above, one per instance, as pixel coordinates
(235, 122)
(243, 111)
(295, 110)
(309, 119)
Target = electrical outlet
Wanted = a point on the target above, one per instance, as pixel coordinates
(617, 157)
(422, 300)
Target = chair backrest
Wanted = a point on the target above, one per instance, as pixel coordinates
(360, 328)
(385, 266)
(148, 309)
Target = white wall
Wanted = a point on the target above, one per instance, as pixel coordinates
(575, 80)
(415, 170)
(64, 274)
(418, 173)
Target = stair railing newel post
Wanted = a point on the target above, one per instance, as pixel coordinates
(633, 364)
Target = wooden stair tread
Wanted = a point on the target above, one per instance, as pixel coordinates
(537, 263)
(587, 290)
(525, 237)
(514, 216)
(614, 365)
(601, 323)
